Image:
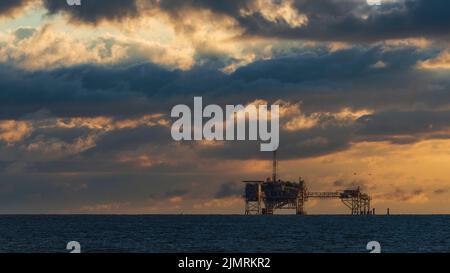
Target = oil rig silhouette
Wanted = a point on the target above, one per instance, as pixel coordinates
(264, 197)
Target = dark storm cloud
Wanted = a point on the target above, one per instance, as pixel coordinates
(322, 81)
(300, 144)
(80, 91)
(96, 11)
(404, 123)
(316, 77)
(327, 138)
(8, 6)
(131, 139)
(343, 20)
(323, 66)
(225, 7)
(328, 20)
(337, 20)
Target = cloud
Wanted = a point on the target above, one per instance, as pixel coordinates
(324, 20)
(404, 123)
(440, 191)
(229, 189)
(105, 207)
(94, 12)
(335, 90)
(84, 107)
(175, 193)
(379, 65)
(46, 47)
(219, 203)
(343, 117)
(352, 184)
(440, 62)
(11, 7)
(329, 20)
(416, 196)
(356, 21)
(110, 124)
(13, 131)
(275, 12)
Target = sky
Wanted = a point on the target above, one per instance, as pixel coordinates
(86, 93)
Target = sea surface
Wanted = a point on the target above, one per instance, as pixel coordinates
(179, 233)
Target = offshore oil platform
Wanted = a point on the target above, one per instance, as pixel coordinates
(264, 197)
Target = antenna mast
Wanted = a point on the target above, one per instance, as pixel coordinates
(274, 167)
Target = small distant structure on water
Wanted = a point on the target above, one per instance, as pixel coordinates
(264, 197)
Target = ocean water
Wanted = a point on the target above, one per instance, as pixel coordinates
(162, 234)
